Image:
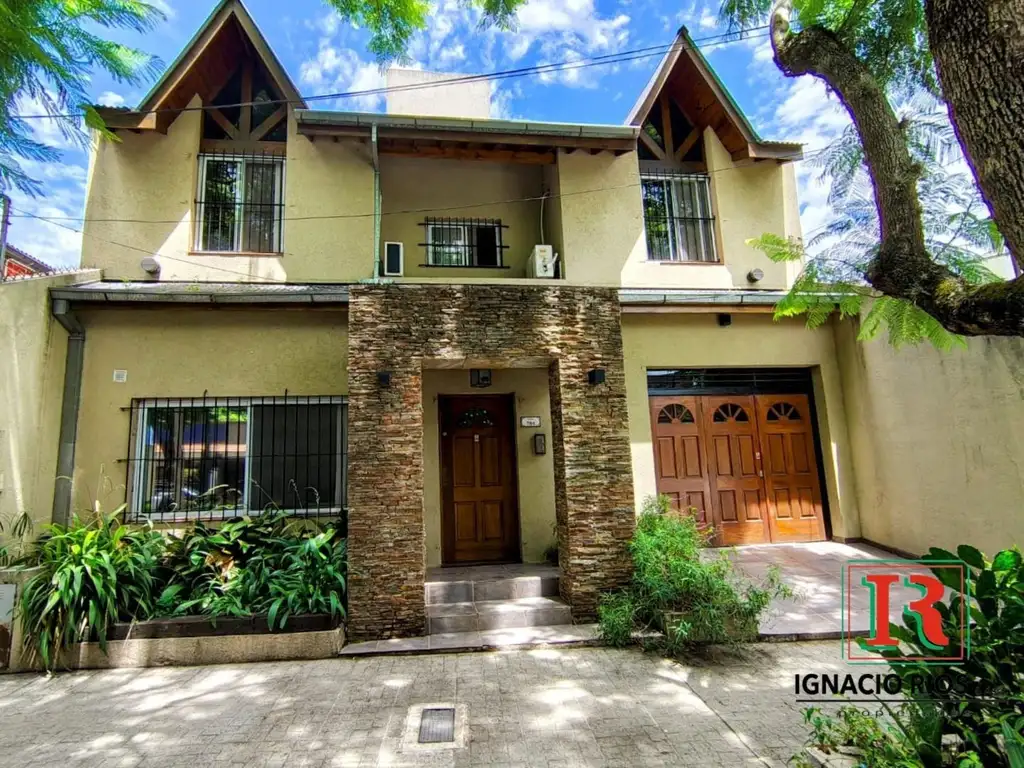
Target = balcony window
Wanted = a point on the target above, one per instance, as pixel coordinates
(678, 219)
(464, 243)
(239, 203)
(210, 459)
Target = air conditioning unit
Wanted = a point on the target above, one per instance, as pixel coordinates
(393, 260)
(542, 262)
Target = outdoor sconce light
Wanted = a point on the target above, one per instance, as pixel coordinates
(595, 376)
(755, 275)
(480, 377)
(540, 444)
(724, 319)
(384, 379)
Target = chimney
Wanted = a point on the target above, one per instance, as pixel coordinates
(472, 99)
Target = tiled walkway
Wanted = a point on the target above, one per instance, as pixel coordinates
(815, 572)
(554, 708)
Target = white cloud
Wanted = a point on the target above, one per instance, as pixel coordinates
(166, 7)
(337, 70)
(707, 20)
(58, 246)
(110, 99)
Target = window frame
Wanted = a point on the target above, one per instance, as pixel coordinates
(241, 160)
(141, 408)
(469, 247)
(704, 224)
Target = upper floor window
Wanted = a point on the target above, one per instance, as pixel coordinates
(239, 203)
(464, 243)
(678, 219)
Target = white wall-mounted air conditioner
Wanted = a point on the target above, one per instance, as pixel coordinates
(394, 259)
(542, 262)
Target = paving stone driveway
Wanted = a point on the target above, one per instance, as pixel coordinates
(546, 707)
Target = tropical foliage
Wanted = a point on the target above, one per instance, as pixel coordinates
(693, 595)
(50, 48)
(917, 230)
(96, 572)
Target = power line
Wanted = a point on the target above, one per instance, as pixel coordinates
(565, 65)
(436, 209)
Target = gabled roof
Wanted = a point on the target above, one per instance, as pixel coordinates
(30, 262)
(204, 66)
(685, 74)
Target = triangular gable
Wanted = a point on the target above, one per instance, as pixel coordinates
(204, 66)
(687, 78)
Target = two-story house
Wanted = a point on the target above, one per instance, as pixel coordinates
(480, 338)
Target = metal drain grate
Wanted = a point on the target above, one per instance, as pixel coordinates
(437, 726)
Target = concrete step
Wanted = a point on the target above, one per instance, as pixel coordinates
(486, 615)
(479, 590)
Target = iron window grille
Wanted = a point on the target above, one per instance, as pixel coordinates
(215, 458)
(678, 218)
(464, 243)
(240, 203)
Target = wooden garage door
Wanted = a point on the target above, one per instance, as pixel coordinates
(790, 469)
(746, 463)
(679, 454)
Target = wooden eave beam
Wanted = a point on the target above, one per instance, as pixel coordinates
(268, 125)
(652, 145)
(687, 144)
(218, 117)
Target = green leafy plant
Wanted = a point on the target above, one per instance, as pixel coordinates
(14, 537)
(680, 587)
(906, 737)
(94, 573)
(993, 672)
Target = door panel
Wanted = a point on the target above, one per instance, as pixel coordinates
(480, 513)
(791, 472)
(679, 462)
(734, 469)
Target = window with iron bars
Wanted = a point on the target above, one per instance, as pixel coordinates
(240, 203)
(678, 219)
(465, 243)
(216, 458)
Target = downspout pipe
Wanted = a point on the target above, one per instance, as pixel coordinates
(71, 402)
(376, 203)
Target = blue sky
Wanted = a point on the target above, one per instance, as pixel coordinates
(324, 55)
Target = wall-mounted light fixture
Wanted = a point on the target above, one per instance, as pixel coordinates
(384, 379)
(480, 377)
(755, 275)
(595, 376)
(540, 444)
(724, 319)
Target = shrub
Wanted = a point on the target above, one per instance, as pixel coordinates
(678, 586)
(995, 664)
(94, 573)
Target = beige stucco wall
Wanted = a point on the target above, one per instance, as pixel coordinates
(184, 353)
(460, 189)
(535, 473)
(33, 348)
(753, 340)
(141, 196)
(937, 441)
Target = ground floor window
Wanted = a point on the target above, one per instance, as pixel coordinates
(210, 458)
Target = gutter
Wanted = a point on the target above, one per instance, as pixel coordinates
(70, 404)
(634, 297)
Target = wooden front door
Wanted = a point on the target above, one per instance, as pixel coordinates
(790, 470)
(480, 513)
(734, 469)
(746, 463)
(679, 461)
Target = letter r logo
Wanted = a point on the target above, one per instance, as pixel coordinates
(907, 588)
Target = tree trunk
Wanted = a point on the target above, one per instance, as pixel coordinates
(903, 268)
(979, 53)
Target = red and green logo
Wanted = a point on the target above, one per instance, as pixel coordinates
(888, 598)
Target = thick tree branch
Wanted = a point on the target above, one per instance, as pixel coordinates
(903, 268)
(979, 54)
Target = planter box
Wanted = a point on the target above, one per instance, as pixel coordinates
(820, 759)
(197, 640)
(11, 580)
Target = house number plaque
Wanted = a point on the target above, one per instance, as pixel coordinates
(529, 421)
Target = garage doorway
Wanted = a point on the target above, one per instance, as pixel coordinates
(746, 461)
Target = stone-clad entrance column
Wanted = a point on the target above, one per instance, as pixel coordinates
(394, 329)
